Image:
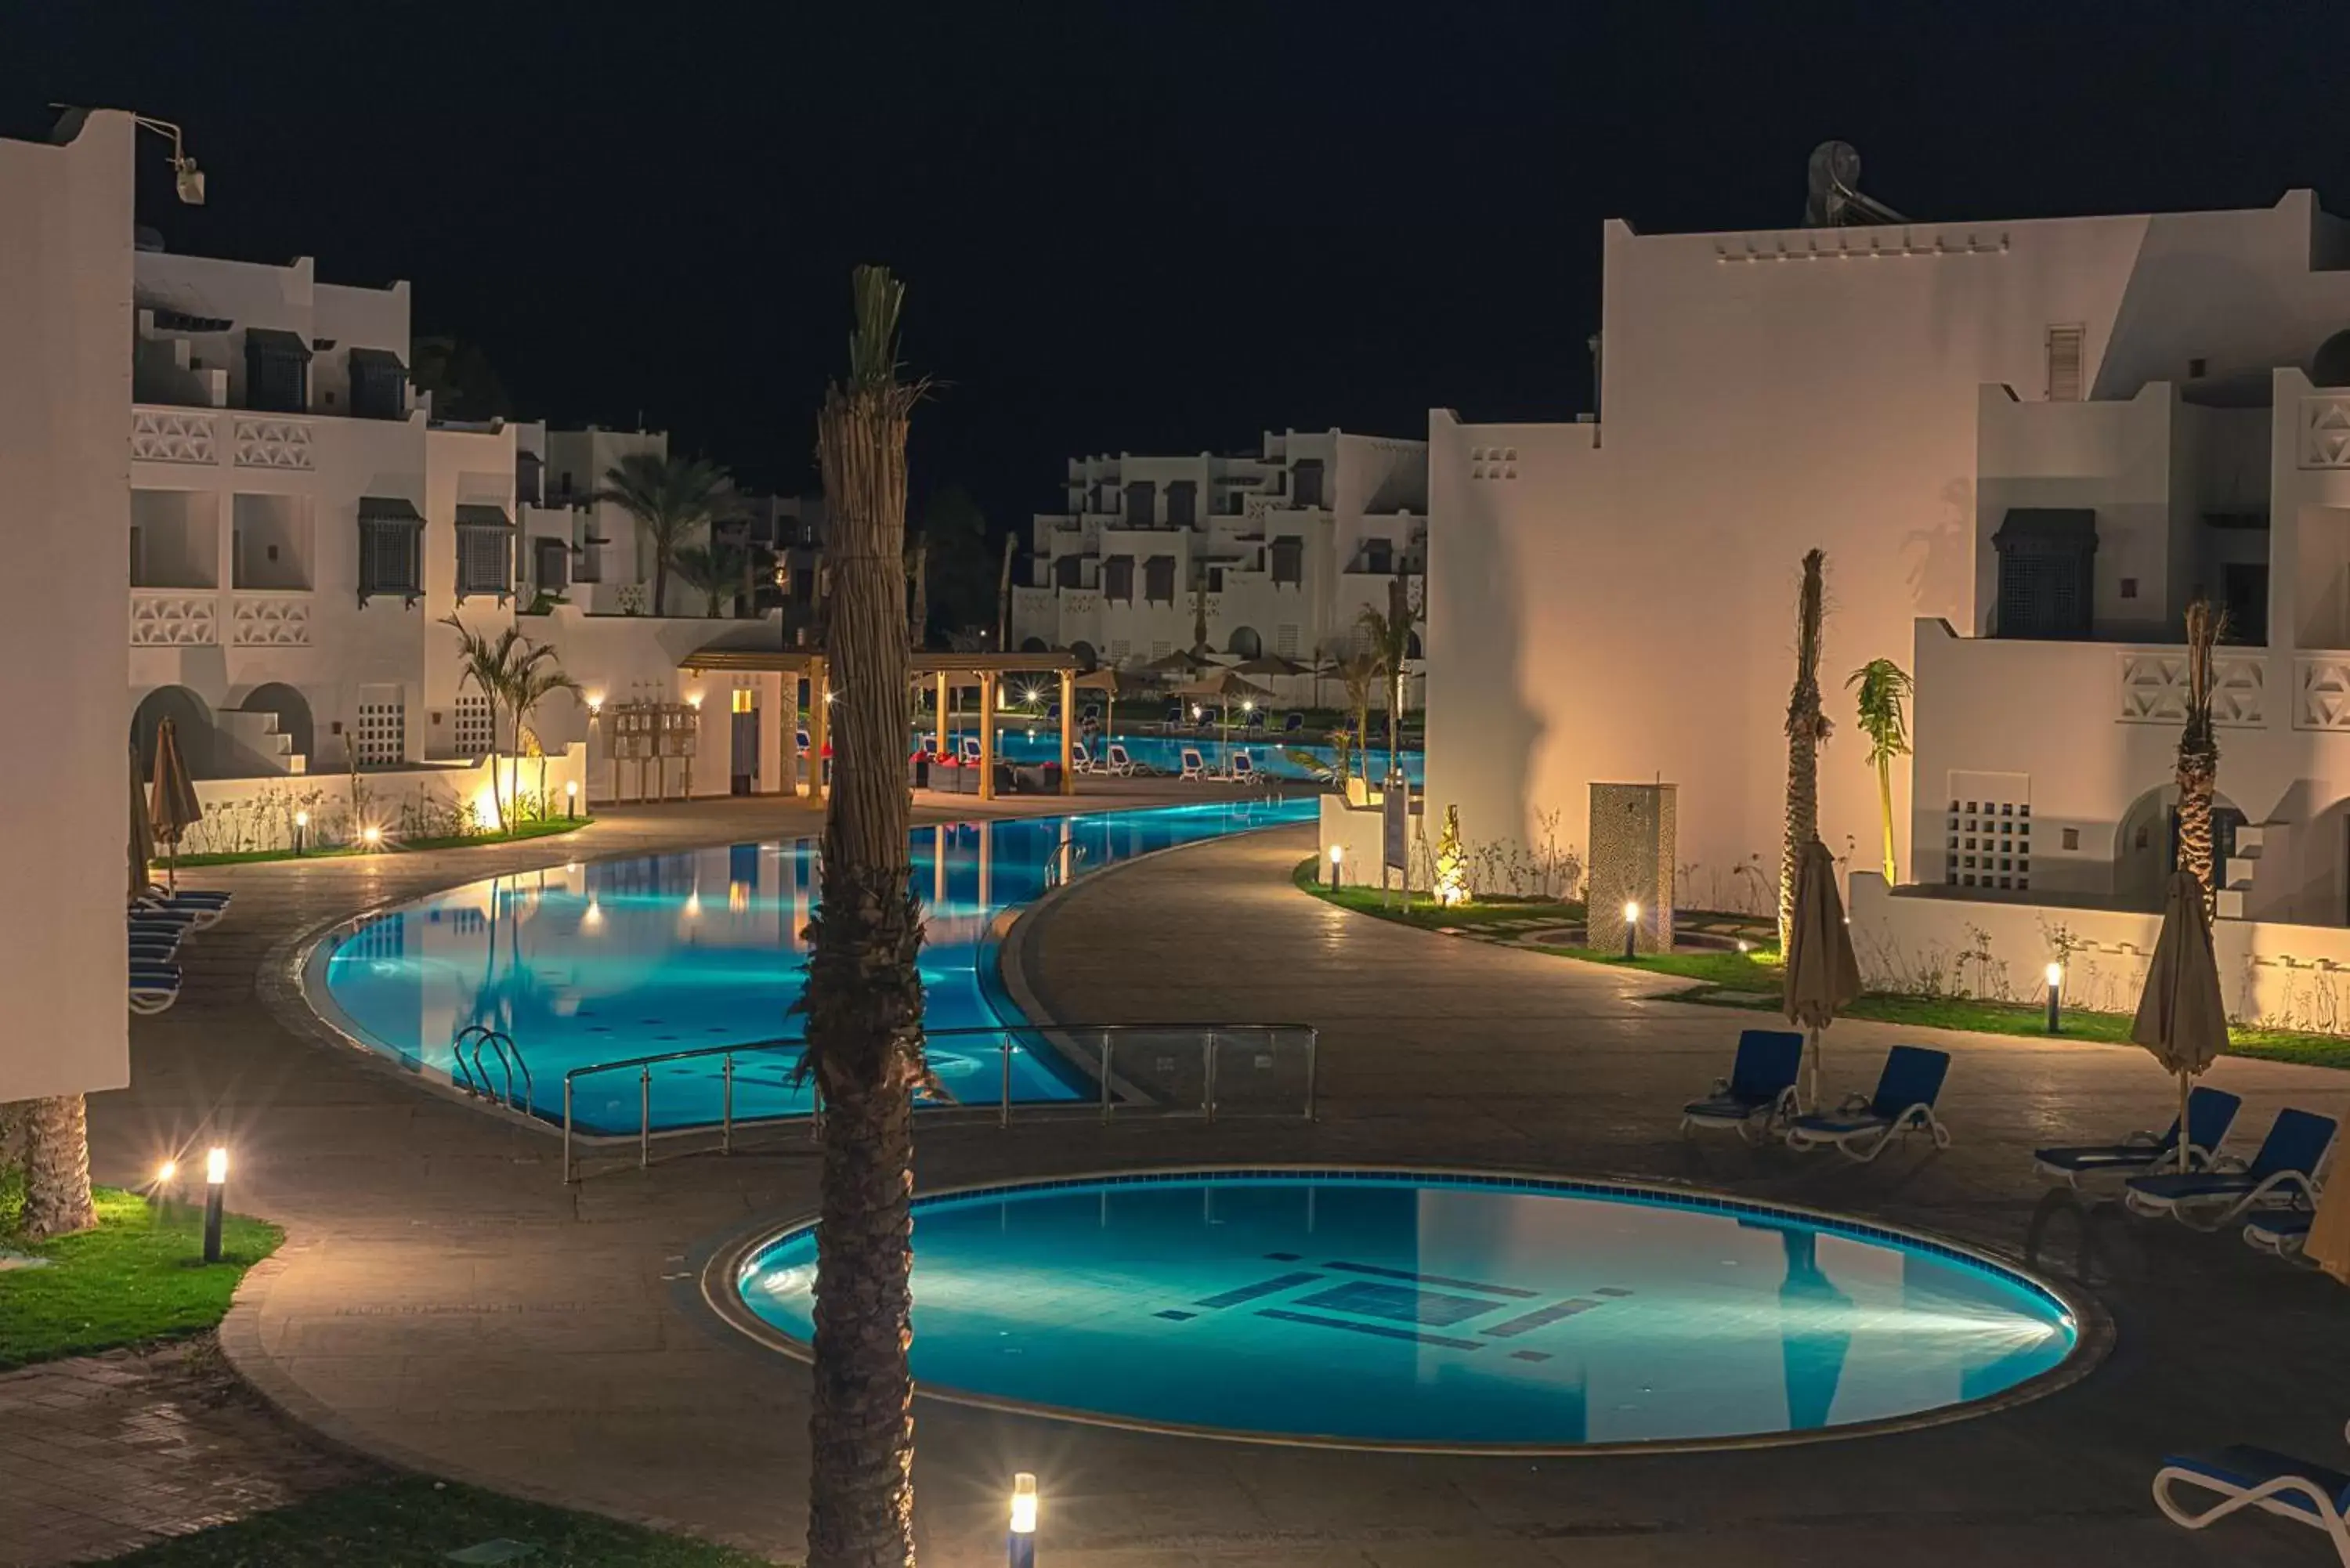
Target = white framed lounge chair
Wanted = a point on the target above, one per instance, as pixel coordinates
(1243, 767)
(1761, 1085)
(970, 749)
(1903, 1104)
(2284, 1174)
(1116, 764)
(153, 988)
(2209, 1113)
(1081, 758)
(2244, 1476)
(1195, 767)
(2280, 1232)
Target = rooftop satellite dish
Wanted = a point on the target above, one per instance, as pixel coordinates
(1834, 200)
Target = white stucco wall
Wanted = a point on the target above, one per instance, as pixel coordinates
(65, 496)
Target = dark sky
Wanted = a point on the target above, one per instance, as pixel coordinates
(1131, 225)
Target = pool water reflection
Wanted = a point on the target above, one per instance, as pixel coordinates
(592, 963)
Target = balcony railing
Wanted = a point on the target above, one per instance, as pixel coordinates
(174, 617)
(270, 618)
(2153, 689)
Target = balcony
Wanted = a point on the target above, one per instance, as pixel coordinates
(269, 618)
(174, 617)
(165, 434)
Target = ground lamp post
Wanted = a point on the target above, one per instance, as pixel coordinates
(2056, 997)
(301, 830)
(1631, 927)
(1337, 853)
(372, 837)
(1020, 1545)
(571, 800)
(215, 1184)
(165, 1175)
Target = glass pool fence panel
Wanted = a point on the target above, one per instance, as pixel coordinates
(694, 1101)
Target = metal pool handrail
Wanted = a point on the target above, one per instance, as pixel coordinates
(1103, 1061)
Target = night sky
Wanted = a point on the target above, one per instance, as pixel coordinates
(1127, 226)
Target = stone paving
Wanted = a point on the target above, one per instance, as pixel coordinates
(104, 1454)
(443, 1302)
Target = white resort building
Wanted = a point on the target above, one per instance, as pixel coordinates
(1292, 542)
(2025, 447)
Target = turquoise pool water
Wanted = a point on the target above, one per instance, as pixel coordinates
(1164, 754)
(616, 959)
(1393, 1307)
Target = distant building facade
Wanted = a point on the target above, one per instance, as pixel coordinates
(1291, 542)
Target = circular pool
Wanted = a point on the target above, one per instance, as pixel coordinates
(1438, 1311)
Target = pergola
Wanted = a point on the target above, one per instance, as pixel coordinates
(949, 671)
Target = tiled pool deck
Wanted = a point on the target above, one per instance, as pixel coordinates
(444, 1301)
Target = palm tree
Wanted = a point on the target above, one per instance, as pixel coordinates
(1359, 670)
(1807, 729)
(2198, 752)
(1884, 686)
(57, 1168)
(918, 593)
(1389, 635)
(716, 568)
(864, 995)
(673, 499)
(532, 679)
(489, 666)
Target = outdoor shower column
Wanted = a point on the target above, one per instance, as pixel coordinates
(986, 734)
(1068, 711)
(819, 728)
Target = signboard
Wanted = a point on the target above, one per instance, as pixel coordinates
(1395, 823)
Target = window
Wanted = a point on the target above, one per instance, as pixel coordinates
(1120, 649)
(1141, 504)
(1284, 640)
(1160, 649)
(2003, 827)
(1182, 503)
(1159, 580)
(391, 548)
(551, 565)
(1117, 578)
(380, 739)
(277, 371)
(472, 712)
(741, 702)
(1305, 482)
(2064, 363)
(379, 385)
(1288, 553)
(529, 474)
(1068, 572)
(484, 552)
(2046, 557)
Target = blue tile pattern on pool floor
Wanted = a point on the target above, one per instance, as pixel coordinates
(617, 959)
(1456, 1310)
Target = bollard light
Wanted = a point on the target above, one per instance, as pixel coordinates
(165, 1175)
(2056, 997)
(1631, 927)
(1020, 1549)
(571, 800)
(1337, 852)
(372, 837)
(301, 829)
(215, 1185)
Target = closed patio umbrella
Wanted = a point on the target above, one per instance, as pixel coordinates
(1821, 976)
(143, 831)
(2180, 1018)
(172, 805)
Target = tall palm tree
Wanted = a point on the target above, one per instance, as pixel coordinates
(532, 678)
(2198, 752)
(57, 1168)
(1389, 635)
(864, 995)
(488, 666)
(1357, 671)
(1807, 729)
(716, 568)
(1884, 686)
(673, 499)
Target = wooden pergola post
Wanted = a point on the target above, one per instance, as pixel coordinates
(1069, 718)
(987, 734)
(819, 729)
(941, 725)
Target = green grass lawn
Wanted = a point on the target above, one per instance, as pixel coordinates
(407, 1520)
(1752, 980)
(391, 845)
(138, 1278)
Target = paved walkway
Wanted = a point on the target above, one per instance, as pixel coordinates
(444, 1301)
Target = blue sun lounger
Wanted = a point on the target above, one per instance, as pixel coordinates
(1903, 1104)
(154, 987)
(2276, 1483)
(1762, 1084)
(2283, 1174)
(2282, 1232)
(2209, 1114)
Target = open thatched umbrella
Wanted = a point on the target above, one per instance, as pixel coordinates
(2181, 1018)
(1103, 680)
(1223, 686)
(172, 805)
(1821, 976)
(1271, 664)
(1182, 661)
(143, 831)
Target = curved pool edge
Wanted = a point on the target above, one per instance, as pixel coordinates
(722, 1296)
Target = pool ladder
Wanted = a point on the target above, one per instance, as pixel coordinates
(473, 1076)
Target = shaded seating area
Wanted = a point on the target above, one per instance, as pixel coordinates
(1903, 1104)
(2209, 1114)
(1761, 1085)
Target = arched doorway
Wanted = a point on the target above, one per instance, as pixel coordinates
(1411, 646)
(1088, 659)
(191, 723)
(292, 712)
(2145, 845)
(1245, 642)
(1032, 645)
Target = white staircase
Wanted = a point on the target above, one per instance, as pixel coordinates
(258, 744)
(2236, 876)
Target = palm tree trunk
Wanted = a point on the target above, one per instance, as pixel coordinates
(497, 805)
(1806, 727)
(2199, 754)
(56, 1169)
(1885, 813)
(864, 997)
(660, 576)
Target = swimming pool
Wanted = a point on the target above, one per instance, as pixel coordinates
(1439, 1311)
(597, 962)
(1164, 754)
